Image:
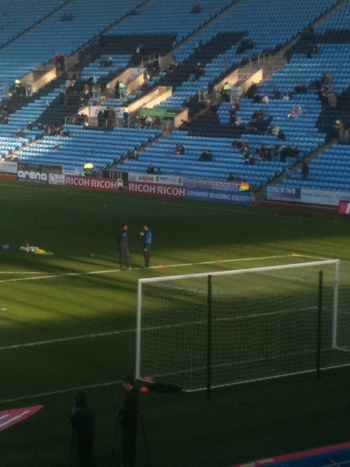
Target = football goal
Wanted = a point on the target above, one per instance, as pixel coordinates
(208, 330)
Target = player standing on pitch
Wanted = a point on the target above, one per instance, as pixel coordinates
(147, 242)
(124, 255)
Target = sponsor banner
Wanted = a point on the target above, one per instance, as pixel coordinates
(197, 182)
(32, 176)
(156, 189)
(283, 193)
(344, 208)
(8, 167)
(71, 170)
(192, 182)
(11, 417)
(219, 196)
(226, 186)
(324, 197)
(153, 178)
(56, 179)
(39, 168)
(92, 183)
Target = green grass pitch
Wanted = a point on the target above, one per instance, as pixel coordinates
(78, 310)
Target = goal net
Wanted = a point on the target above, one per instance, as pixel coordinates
(242, 325)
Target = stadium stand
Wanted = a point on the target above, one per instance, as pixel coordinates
(213, 38)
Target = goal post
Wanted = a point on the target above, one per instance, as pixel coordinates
(214, 329)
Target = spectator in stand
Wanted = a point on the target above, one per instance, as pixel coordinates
(179, 150)
(265, 99)
(288, 95)
(196, 9)
(185, 125)
(245, 44)
(332, 99)
(231, 177)
(198, 71)
(252, 91)
(300, 89)
(296, 112)
(304, 170)
(20, 133)
(226, 92)
(150, 169)
(206, 156)
(116, 90)
(134, 156)
(340, 130)
(148, 122)
(276, 94)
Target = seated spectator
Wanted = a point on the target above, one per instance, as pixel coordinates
(332, 99)
(185, 125)
(327, 78)
(67, 17)
(199, 46)
(226, 92)
(206, 156)
(150, 169)
(304, 170)
(340, 130)
(179, 150)
(30, 126)
(198, 71)
(288, 95)
(252, 91)
(158, 171)
(20, 133)
(245, 44)
(196, 9)
(237, 144)
(172, 67)
(276, 93)
(265, 99)
(134, 156)
(231, 177)
(300, 89)
(296, 112)
(148, 121)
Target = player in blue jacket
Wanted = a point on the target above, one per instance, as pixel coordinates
(147, 242)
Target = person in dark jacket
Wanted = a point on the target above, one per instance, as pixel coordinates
(83, 422)
(124, 255)
(128, 416)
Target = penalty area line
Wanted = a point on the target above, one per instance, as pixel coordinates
(61, 391)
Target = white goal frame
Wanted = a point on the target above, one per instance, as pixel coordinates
(319, 263)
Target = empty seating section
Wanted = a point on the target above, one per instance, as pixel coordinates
(268, 24)
(119, 62)
(225, 160)
(330, 171)
(338, 21)
(40, 44)
(99, 148)
(171, 17)
(16, 16)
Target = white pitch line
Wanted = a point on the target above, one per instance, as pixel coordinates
(107, 271)
(22, 272)
(67, 339)
(61, 391)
